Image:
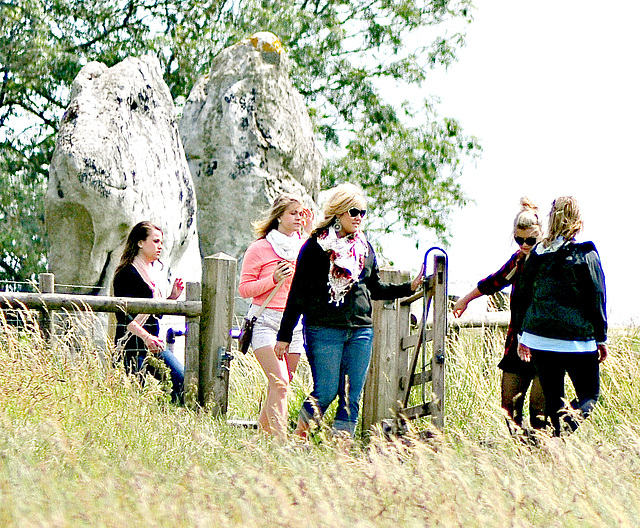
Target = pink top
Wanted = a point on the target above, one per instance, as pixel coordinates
(256, 278)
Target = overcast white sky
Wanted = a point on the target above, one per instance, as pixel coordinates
(551, 89)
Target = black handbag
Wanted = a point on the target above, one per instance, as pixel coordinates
(246, 333)
(246, 330)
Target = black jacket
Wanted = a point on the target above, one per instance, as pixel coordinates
(128, 283)
(309, 294)
(563, 294)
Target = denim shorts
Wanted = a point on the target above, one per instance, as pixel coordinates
(266, 328)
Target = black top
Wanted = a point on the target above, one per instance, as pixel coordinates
(563, 294)
(309, 295)
(128, 283)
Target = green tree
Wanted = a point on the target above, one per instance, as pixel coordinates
(407, 159)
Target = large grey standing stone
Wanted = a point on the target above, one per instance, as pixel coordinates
(119, 160)
(247, 136)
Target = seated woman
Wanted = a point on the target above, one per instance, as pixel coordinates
(139, 335)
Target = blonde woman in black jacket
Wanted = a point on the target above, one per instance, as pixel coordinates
(562, 315)
(335, 280)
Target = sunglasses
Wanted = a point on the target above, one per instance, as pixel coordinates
(354, 211)
(530, 241)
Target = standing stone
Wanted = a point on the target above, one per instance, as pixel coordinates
(118, 160)
(248, 137)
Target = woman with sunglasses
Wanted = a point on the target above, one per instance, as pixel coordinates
(563, 316)
(268, 262)
(517, 375)
(335, 280)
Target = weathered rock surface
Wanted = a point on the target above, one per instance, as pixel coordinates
(118, 160)
(247, 136)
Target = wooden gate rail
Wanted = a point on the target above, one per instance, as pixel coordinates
(208, 309)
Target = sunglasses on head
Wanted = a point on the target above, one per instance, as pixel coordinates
(530, 241)
(354, 211)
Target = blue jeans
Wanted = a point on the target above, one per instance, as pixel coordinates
(339, 359)
(135, 364)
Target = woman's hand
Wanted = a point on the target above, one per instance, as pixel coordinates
(524, 352)
(283, 270)
(603, 352)
(177, 289)
(153, 343)
(281, 349)
(307, 220)
(419, 280)
(459, 307)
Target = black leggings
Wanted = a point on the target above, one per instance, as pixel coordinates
(584, 372)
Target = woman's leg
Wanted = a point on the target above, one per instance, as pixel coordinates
(584, 372)
(177, 374)
(353, 374)
(273, 416)
(551, 370)
(292, 364)
(536, 405)
(324, 352)
(514, 389)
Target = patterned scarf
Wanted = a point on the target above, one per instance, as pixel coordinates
(347, 257)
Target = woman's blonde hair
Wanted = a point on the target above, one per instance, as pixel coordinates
(528, 216)
(269, 219)
(564, 219)
(341, 198)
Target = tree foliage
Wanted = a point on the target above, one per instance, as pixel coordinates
(342, 52)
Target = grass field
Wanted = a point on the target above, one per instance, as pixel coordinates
(83, 445)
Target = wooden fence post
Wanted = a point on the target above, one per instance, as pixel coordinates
(439, 339)
(218, 294)
(192, 349)
(389, 363)
(46, 284)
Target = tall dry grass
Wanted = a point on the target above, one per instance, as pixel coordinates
(81, 444)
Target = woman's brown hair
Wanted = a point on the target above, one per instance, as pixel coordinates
(139, 233)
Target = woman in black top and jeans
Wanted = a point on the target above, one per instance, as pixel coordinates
(134, 278)
(562, 315)
(335, 280)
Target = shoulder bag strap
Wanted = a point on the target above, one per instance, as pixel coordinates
(268, 300)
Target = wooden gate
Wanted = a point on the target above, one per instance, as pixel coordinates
(406, 380)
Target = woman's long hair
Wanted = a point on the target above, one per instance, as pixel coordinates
(139, 233)
(269, 220)
(528, 216)
(342, 198)
(564, 219)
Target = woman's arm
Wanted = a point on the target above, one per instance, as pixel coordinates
(461, 304)
(599, 301)
(252, 283)
(300, 285)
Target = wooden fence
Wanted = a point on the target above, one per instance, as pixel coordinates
(208, 310)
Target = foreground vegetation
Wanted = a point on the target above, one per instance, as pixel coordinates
(82, 445)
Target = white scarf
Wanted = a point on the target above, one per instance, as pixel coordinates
(286, 247)
(347, 255)
(554, 246)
